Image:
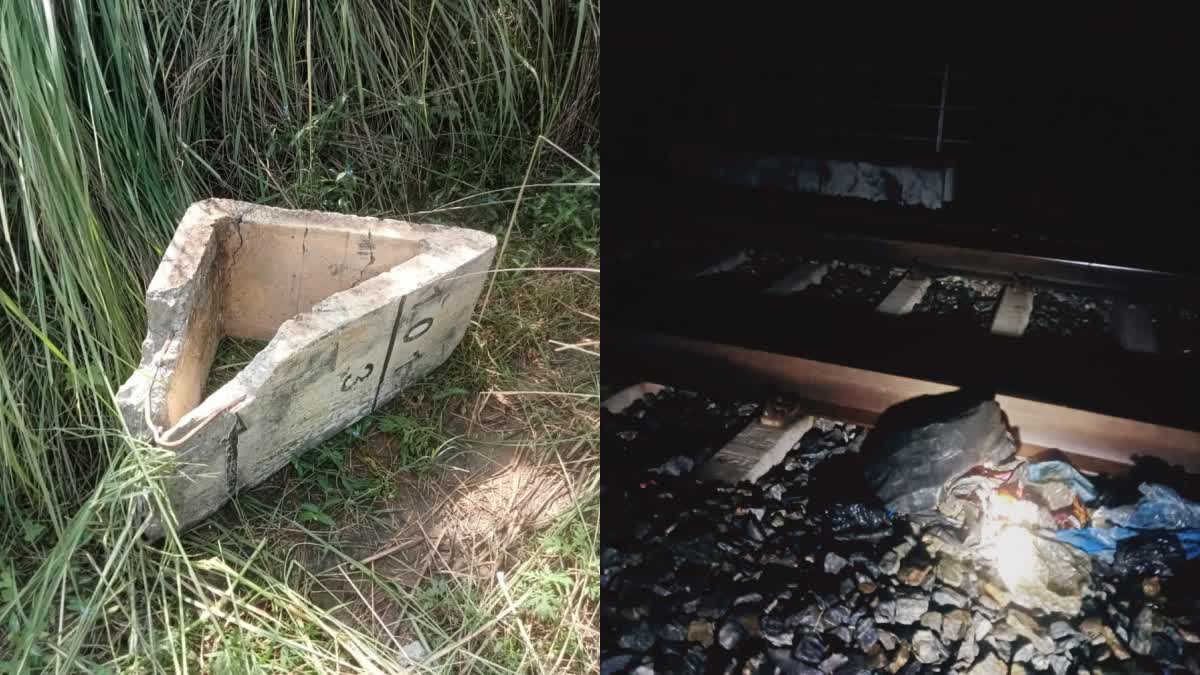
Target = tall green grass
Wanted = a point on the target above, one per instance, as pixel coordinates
(116, 114)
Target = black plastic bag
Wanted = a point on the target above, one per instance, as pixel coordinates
(922, 444)
(1148, 554)
(853, 520)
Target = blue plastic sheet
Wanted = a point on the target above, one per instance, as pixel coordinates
(1056, 471)
(1097, 541)
(1160, 509)
(1190, 540)
(1102, 541)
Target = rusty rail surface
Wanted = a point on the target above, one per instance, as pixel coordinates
(1094, 441)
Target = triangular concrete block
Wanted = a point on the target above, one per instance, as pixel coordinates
(354, 308)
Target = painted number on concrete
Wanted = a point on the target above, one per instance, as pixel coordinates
(418, 329)
(350, 379)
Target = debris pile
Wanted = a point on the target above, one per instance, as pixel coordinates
(825, 566)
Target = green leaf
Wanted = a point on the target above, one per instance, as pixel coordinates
(8, 586)
(448, 392)
(32, 531)
(358, 484)
(312, 513)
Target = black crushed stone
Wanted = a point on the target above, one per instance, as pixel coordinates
(669, 433)
(1177, 329)
(803, 572)
(856, 283)
(1069, 314)
(972, 301)
(759, 271)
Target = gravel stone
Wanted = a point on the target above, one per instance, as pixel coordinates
(640, 639)
(1028, 628)
(889, 564)
(834, 563)
(835, 661)
(913, 575)
(615, 663)
(810, 649)
(910, 608)
(949, 596)
(885, 612)
(989, 665)
(927, 647)
(982, 627)
(1024, 653)
(731, 633)
(950, 572)
(955, 624)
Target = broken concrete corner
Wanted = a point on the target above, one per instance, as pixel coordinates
(354, 310)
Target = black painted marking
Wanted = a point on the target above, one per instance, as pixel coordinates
(347, 384)
(437, 296)
(387, 357)
(231, 456)
(424, 325)
(405, 369)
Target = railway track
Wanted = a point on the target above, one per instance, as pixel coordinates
(1096, 360)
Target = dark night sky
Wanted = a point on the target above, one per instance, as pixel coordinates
(1086, 110)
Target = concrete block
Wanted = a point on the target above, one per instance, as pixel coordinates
(755, 451)
(725, 265)
(621, 400)
(798, 279)
(355, 309)
(1016, 306)
(1134, 328)
(906, 295)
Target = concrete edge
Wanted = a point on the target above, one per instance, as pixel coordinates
(377, 226)
(448, 247)
(308, 328)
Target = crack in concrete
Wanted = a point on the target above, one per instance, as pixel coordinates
(231, 455)
(238, 219)
(371, 251)
(151, 424)
(300, 282)
(237, 225)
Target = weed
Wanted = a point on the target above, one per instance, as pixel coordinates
(324, 471)
(418, 443)
(233, 354)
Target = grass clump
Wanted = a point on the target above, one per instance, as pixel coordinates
(233, 354)
(114, 116)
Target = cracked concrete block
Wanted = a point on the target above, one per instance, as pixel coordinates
(355, 309)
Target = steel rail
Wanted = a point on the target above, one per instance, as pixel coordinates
(709, 216)
(1095, 441)
(1134, 282)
